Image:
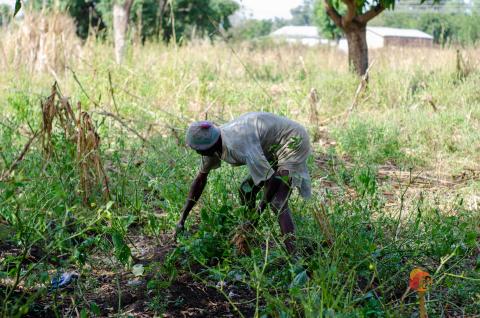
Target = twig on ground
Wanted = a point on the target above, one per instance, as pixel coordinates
(361, 87)
(304, 67)
(81, 87)
(313, 99)
(402, 202)
(19, 159)
(124, 125)
(346, 114)
(112, 92)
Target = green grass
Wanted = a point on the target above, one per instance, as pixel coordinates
(369, 142)
(45, 227)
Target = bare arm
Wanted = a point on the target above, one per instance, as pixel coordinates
(196, 190)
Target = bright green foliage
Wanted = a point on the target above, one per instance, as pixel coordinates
(362, 6)
(18, 6)
(328, 28)
(332, 30)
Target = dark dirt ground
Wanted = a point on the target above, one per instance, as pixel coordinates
(184, 297)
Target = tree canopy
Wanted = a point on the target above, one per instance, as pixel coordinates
(156, 19)
(5, 14)
(448, 21)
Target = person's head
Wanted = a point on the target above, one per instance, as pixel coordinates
(204, 138)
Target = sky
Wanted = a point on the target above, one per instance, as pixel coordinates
(257, 9)
(267, 9)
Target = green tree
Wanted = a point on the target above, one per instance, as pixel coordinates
(277, 23)
(251, 28)
(198, 18)
(476, 7)
(84, 12)
(326, 25)
(439, 26)
(149, 17)
(303, 14)
(396, 19)
(176, 19)
(5, 14)
(155, 17)
(352, 16)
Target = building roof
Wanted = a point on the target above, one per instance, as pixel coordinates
(394, 32)
(292, 31)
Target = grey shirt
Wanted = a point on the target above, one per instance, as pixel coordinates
(264, 142)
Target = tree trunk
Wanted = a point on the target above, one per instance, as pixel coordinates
(121, 15)
(160, 12)
(357, 48)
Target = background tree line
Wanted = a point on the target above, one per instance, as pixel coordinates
(152, 19)
(452, 22)
(448, 22)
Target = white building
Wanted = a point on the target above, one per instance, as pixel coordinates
(307, 35)
(378, 37)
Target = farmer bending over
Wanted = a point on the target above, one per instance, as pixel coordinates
(275, 150)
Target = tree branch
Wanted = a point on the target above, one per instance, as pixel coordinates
(333, 14)
(372, 13)
(19, 159)
(351, 12)
(128, 5)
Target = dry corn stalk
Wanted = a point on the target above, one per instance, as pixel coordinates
(41, 41)
(80, 130)
(67, 119)
(88, 156)
(49, 111)
(62, 110)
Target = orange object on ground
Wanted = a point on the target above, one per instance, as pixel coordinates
(419, 280)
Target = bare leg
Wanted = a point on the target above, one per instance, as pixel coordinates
(277, 193)
(248, 192)
(271, 187)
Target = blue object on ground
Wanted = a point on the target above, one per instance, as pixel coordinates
(63, 280)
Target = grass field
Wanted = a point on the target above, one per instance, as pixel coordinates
(397, 179)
